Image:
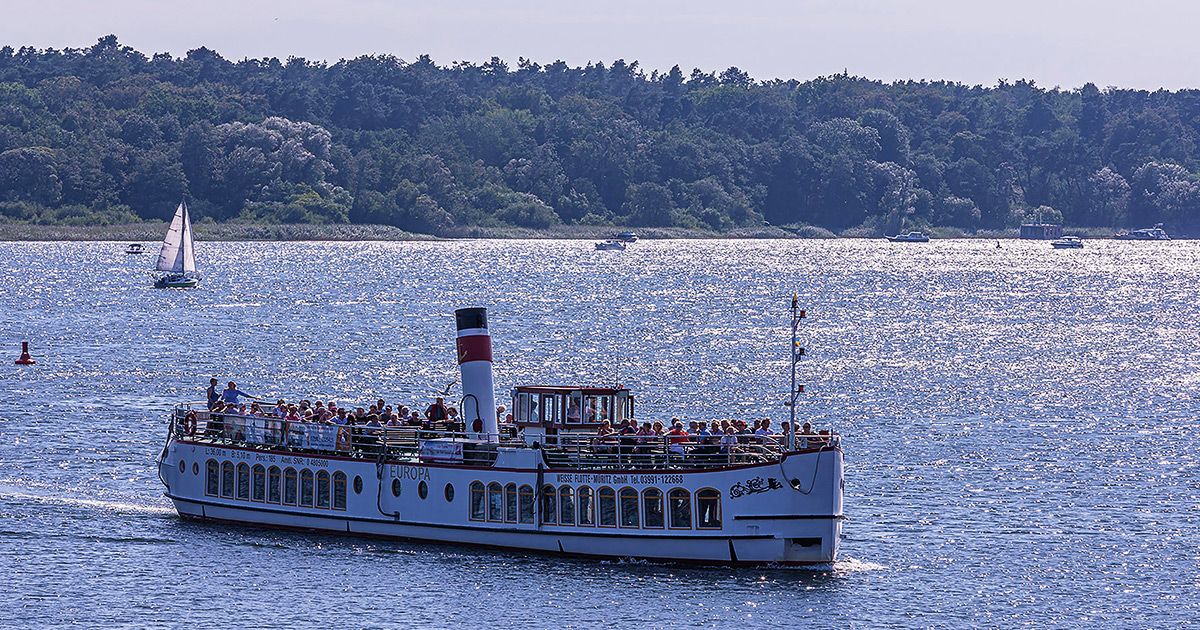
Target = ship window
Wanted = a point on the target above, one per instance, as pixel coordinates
(423, 490)
(357, 484)
(258, 490)
(289, 486)
(395, 487)
(549, 511)
(510, 503)
(306, 488)
(587, 506)
(527, 408)
(652, 508)
(477, 507)
(322, 489)
(182, 466)
(607, 501)
(449, 492)
(212, 478)
(495, 497)
(574, 411)
(227, 479)
(243, 481)
(526, 504)
(566, 505)
(680, 503)
(339, 490)
(597, 409)
(629, 508)
(273, 484)
(708, 509)
(550, 409)
(195, 468)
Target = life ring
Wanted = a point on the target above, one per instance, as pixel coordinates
(189, 423)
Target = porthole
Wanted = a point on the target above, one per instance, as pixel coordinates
(395, 487)
(422, 490)
(182, 466)
(450, 492)
(196, 468)
(357, 484)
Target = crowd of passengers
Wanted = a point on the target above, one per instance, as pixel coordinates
(698, 438)
(367, 423)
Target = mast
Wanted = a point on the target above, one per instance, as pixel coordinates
(796, 352)
(187, 235)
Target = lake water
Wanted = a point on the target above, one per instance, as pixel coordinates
(1020, 425)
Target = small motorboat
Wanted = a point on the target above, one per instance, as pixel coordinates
(611, 245)
(1067, 242)
(135, 248)
(628, 236)
(1156, 233)
(911, 237)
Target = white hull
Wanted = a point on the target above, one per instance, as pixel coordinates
(760, 522)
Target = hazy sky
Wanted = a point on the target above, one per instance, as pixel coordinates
(1126, 43)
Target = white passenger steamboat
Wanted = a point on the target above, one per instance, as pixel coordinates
(546, 482)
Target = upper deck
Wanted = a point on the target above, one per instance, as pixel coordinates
(447, 443)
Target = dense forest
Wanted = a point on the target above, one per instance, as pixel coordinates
(108, 135)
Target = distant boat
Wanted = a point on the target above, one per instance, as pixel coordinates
(177, 258)
(1156, 233)
(135, 248)
(611, 245)
(628, 236)
(911, 237)
(1067, 242)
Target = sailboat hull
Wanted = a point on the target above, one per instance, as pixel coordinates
(177, 283)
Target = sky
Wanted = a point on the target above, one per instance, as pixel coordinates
(1144, 44)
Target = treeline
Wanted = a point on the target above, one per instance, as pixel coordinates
(107, 135)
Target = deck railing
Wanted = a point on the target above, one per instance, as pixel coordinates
(446, 443)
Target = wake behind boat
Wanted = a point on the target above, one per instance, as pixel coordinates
(177, 258)
(555, 479)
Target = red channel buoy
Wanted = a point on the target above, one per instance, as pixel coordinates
(25, 358)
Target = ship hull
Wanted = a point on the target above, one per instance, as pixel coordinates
(782, 513)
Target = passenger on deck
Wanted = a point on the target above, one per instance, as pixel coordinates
(729, 441)
(677, 437)
(606, 439)
(573, 410)
(437, 411)
(764, 430)
(500, 409)
(232, 393)
(646, 437)
(414, 419)
(213, 396)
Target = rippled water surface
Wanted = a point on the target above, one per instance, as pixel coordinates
(1020, 425)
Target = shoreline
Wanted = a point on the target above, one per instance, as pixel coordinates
(153, 231)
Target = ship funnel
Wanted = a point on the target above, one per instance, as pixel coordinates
(475, 363)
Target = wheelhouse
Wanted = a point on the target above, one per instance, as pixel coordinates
(561, 407)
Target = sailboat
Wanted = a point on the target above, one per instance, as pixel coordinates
(177, 258)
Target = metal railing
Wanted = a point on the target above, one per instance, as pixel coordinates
(446, 443)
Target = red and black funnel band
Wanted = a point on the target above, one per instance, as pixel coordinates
(468, 318)
(474, 348)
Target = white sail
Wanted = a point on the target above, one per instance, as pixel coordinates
(178, 253)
